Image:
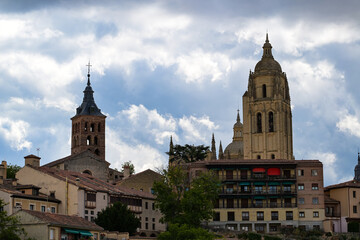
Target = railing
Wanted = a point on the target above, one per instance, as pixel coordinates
(257, 192)
(90, 204)
(264, 205)
(257, 177)
(332, 215)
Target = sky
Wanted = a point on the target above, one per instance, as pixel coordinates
(176, 68)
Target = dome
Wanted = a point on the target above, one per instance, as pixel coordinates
(233, 149)
(268, 64)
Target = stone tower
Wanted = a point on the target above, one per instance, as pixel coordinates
(357, 169)
(267, 111)
(235, 150)
(88, 125)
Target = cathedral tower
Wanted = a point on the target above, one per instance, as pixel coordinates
(267, 111)
(88, 125)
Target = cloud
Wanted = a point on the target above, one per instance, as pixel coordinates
(15, 132)
(196, 129)
(349, 124)
(142, 156)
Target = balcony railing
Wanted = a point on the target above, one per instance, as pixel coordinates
(257, 177)
(264, 205)
(230, 191)
(90, 204)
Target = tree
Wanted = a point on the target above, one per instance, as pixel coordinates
(188, 153)
(183, 203)
(9, 225)
(180, 232)
(119, 218)
(12, 170)
(130, 165)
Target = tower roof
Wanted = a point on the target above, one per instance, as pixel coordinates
(88, 106)
(267, 61)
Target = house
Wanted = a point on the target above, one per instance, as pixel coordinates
(50, 226)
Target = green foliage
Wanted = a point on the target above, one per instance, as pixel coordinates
(253, 236)
(353, 227)
(12, 170)
(271, 238)
(118, 218)
(9, 226)
(243, 235)
(181, 232)
(183, 203)
(188, 153)
(131, 166)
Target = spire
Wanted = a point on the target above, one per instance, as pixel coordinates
(171, 150)
(221, 153)
(358, 157)
(238, 116)
(267, 48)
(88, 106)
(213, 148)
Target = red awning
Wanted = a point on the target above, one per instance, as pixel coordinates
(273, 172)
(258, 170)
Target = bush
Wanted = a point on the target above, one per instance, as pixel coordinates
(271, 238)
(243, 235)
(328, 234)
(253, 236)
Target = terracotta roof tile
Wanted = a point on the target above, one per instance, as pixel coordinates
(351, 183)
(64, 220)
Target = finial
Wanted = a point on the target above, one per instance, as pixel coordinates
(213, 148)
(238, 116)
(267, 37)
(88, 75)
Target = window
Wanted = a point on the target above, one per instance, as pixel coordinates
(260, 216)
(231, 216)
(153, 226)
(92, 212)
(316, 214)
(86, 211)
(146, 226)
(88, 140)
(51, 233)
(272, 190)
(230, 203)
(315, 186)
(301, 187)
(18, 205)
(146, 205)
(260, 227)
(289, 215)
(272, 156)
(271, 121)
(300, 172)
(95, 140)
(315, 200)
(354, 209)
(86, 218)
(316, 227)
(146, 219)
(216, 216)
(258, 157)
(301, 214)
(245, 216)
(153, 206)
(43, 208)
(354, 194)
(314, 172)
(32, 207)
(264, 90)
(274, 215)
(153, 219)
(301, 201)
(53, 210)
(259, 123)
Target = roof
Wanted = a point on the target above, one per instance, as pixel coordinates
(351, 183)
(32, 156)
(90, 183)
(144, 175)
(64, 220)
(328, 199)
(86, 153)
(16, 193)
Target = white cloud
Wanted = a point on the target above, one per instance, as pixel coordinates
(196, 129)
(349, 124)
(329, 161)
(142, 156)
(15, 132)
(150, 121)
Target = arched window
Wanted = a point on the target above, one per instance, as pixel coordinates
(86, 126)
(77, 141)
(88, 140)
(99, 127)
(74, 142)
(264, 90)
(87, 172)
(95, 141)
(92, 128)
(258, 123)
(271, 121)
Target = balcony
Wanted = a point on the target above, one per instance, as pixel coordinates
(263, 205)
(257, 177)
(90, 204)
(230, 191)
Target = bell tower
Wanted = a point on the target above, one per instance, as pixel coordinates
(88, 125)
(267, 111)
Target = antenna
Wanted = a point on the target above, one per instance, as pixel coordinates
(38, 150)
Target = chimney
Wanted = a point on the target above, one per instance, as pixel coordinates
(3, 168)
(126, 171)
(32, 160)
